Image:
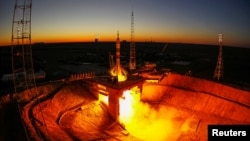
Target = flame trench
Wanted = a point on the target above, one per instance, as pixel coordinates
(143, 121)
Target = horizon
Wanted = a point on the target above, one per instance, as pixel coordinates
(125, 41)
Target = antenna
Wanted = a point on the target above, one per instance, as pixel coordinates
(218, 73)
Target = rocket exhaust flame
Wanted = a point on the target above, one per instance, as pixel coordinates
(126, 107)
(145, 122)
(103, 98)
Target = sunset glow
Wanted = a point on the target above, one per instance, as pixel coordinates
(158, 21)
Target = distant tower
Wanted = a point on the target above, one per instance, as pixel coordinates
(218, 73)
(22, 62)
(132, 60)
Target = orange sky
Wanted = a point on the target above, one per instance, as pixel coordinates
(190, 21)
(174, 38)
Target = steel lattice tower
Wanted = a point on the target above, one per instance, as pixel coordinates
(132, 60)
(22, 58)
(22, 63)
(218, 73)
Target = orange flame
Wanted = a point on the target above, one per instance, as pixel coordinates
(143, 121)
(119, 72)
(103, 98)
(126, 107)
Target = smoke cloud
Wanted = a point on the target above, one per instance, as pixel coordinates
(146, 122)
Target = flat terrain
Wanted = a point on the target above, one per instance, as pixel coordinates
(55, 59)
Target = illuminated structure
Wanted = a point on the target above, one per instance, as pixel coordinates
(132, 59)
(111, 92)
(218, 73)
(118, 72)
(22, 63)
(22, 59)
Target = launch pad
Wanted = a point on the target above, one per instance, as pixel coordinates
(178, 107)
(114, 90)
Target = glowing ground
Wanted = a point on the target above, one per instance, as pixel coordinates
(73, 113)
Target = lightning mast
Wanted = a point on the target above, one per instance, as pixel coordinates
(132, 61)
(218, 73)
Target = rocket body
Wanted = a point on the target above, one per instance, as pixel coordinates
(118, 71)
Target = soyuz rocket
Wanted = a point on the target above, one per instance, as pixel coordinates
(117, 70)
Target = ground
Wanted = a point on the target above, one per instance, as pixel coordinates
(73, 113)
(67, 110)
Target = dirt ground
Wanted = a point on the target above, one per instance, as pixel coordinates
(74, 114)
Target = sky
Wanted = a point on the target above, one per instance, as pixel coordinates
(178, 21)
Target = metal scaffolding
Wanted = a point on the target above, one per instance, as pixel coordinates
(22, 62)
(22, 58)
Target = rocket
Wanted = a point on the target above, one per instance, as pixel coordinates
(118, 71)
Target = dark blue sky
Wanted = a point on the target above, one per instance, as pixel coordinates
(191, 21)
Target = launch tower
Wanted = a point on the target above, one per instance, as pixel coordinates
(218, 73)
